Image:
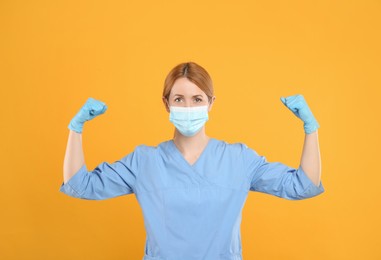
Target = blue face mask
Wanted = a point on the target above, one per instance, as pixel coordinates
(188, 120)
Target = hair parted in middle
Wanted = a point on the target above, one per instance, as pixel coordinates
(194, 73)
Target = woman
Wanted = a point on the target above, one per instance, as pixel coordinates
(193, 187)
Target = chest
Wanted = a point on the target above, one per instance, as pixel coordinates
(169, 171)
(191, 159)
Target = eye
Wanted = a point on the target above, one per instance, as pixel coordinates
(200, 100)
(176, 99)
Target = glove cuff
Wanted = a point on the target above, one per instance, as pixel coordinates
(311, 127)
(75, 126)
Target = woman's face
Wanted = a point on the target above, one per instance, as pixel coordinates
(185, 93)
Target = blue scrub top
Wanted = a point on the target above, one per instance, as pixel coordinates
(191, 212)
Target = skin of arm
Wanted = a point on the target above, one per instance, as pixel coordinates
(74, 158)
(310, 161)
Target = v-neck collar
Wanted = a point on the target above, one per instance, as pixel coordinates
(180, 155)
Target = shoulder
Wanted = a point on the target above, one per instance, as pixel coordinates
(242, 150)
(235, 147)
(145, 149)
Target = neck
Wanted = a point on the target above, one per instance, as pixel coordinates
(192, 143)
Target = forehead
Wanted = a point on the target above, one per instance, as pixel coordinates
(184, 86)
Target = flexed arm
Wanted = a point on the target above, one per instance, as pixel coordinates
(310, 159)
(74, 158)
(106, 180)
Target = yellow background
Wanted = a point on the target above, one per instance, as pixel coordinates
(56, 54)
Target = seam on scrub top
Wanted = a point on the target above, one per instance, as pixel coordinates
(138, 170)
(244, 168)
(164, 216)
(156, 155)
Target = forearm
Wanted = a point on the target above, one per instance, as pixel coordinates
(74, 158)
(310, 160)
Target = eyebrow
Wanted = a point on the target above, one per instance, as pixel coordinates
(183, 95)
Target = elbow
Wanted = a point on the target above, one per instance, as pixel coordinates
(313, 190)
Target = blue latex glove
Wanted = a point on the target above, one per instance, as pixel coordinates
(90, 109)
(299, 107)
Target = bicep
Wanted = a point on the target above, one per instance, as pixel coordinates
(277, 178)
(106, 180)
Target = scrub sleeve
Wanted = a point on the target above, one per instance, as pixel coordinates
(278, 179)
(106, 181)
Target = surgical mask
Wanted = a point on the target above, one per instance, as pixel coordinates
(188, 120)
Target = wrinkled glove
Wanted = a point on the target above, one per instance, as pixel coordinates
(299, 107)
(90, 109)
